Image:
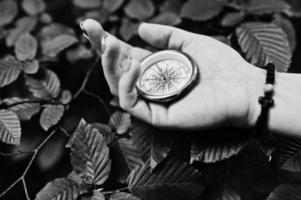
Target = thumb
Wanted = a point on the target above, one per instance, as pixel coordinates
(95, 33)
(164, 37)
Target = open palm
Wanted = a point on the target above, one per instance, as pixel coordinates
(224, 93)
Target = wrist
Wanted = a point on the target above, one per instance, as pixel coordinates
(284, 116)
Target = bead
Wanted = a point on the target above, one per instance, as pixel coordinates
(268, 88)
(261, 100)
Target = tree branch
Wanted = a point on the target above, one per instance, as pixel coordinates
(99, 99)
(22, 177)
(85, 81)
(25, 189)
(37, 149)
(65, 132)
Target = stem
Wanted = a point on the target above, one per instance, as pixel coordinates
(22, 178)
(40, 101)
(38, 148)
(25, 189)
(11, 186)
(85, 81)
(114, 191)
(65, 132)
(99, 99)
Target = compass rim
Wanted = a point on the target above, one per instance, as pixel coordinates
(184, 59)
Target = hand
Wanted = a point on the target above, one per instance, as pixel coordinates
(225, 94)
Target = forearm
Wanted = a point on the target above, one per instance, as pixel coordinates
(285, 115)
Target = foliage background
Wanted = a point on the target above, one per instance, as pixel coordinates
(50, 78)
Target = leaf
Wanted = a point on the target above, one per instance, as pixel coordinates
(172, 180)
(3, 33)
(47, 88)
(128, 29)
(31, 66)
(223, 39)
(79, 53)
(263, 43)
(33, 7)
(288, 148)
(230, 194)
(65, 97)
(233, 18)
(24, 110)
(123, 196)
(87, 3)
(51, 115)
(269, 144)
(209, 151)
(26, 47)
(138, 9)
(50, 32)
(10, 129)
(295, 8)
(9, 71)
(97, 196)
(260, 7)
(201, 10)
(112, 5)
(286, 192)
(293, 163)
(167, 18)
(53, 47)
(106, 132)
(59, 189)
(50, 155)
(145, 145)
(8, 11)
(23, 25)
(173, 6)
(45, 18)
(89, 154)
(287, 26)
(120, 122)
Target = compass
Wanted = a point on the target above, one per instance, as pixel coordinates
(166, 75)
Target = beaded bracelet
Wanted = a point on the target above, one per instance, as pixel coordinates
(266, 101)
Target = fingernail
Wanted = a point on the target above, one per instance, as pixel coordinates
(103, 43)
(85, 35)
(125, 64)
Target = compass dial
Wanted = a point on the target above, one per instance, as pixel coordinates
(165, 74)
(165, 77)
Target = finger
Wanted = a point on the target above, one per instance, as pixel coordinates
(164, 37)
(127, 84)
(112, 50)
(116, 54)
(95, 33)
(110, 62)
(128, 95)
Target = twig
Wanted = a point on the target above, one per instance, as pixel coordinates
(25, 189)
(22, 177)
(37, 149)
(15, 154)
(113, 191)
(85, 81)
(40, 101)
(65, 132)
(99, 99)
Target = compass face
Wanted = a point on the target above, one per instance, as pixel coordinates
(166, 77)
